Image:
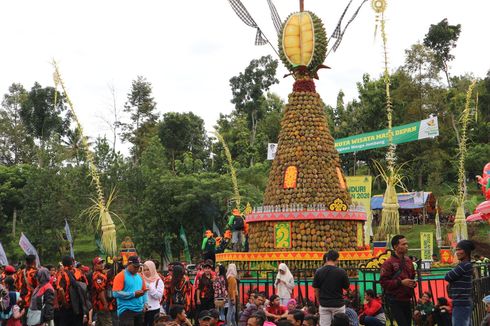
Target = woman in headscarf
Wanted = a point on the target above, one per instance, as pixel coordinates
(284, 284)
(155, 291)
(232, 277)
(42, 300)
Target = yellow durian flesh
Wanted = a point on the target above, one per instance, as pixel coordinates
(298, 39)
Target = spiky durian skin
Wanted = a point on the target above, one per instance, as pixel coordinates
(319, 46)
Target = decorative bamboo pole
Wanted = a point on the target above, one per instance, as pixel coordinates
(101, 207)
(390, 216)
(460, 228)
(232, 169)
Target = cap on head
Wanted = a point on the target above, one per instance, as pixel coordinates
(204, 315)
(97, 260)
(214, 313)
(236, 212)
(134, 260)
(9, 269)
(486, 300)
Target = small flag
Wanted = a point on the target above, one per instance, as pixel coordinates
(28, 248)
(3, 256)
(168, 248)
(216, 229)
(183, 237)
(69, 238)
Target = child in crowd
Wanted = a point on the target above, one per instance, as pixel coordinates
(424, 310)
(292, 305)
(442, 312)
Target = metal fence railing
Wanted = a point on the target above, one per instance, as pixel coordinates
(431, 281)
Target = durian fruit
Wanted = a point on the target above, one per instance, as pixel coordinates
(303, 41)
(306, 235)
(306, 143)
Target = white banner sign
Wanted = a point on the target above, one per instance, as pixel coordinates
(28, 248)
(3, 256)
(69, 238)
(271, 151)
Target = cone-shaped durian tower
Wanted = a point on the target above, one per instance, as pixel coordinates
(306, 169)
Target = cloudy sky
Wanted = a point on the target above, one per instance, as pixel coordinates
(189, 49)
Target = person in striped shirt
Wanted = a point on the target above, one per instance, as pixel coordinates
(460, 284)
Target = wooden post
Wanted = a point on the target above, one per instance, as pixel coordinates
(301, 5)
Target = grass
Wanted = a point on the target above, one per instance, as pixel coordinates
(85, 248)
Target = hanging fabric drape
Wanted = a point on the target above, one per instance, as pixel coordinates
(340, 37)
(276, 20)
(244, 15)
(338, 30)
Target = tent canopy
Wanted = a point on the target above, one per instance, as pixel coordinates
(407, 200)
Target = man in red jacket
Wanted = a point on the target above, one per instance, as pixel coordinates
(398, 281)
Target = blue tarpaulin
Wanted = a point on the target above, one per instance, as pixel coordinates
(406, 200)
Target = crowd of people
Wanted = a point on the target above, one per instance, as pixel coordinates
(137, 294)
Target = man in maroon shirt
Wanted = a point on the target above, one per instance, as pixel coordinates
(398, 281)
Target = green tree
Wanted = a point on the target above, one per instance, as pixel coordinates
(442, 38)
(52, 195)
(43, 117)
(12, 181)
(248, 90)
(141, 107)
(16, 146)
(235, 130)
(182, 133)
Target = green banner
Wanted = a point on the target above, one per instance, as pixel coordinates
(427, 128)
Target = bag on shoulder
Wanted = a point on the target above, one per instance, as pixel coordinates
(4, 299)
(178, 296)
(79, 301)
(33, 317)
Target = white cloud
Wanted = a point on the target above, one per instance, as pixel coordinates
(189, 49)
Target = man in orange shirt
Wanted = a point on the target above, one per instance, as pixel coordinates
(25, 279)
(70, 314)
(100, 303)
(129, 290)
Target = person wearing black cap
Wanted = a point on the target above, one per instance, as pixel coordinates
(205, 318)
(460, 284)
(129, 291)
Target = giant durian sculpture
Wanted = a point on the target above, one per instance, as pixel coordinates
(306, 171)
(306, 154)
